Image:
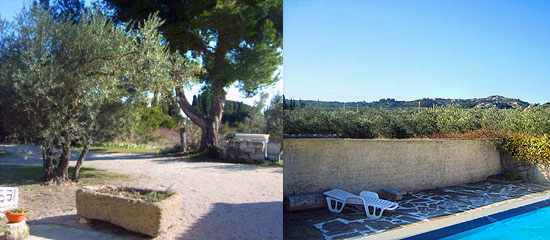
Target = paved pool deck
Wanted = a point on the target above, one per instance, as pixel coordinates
(418, 212)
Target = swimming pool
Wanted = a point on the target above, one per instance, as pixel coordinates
(527, 222)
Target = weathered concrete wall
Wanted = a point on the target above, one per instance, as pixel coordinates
(354, 165)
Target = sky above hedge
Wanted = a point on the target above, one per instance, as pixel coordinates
(368, 50)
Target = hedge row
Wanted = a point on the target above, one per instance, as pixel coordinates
(524, 133)
(414, 123)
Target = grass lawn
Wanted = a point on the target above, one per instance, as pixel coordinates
(11, 174)
(122, 147)
(273, 164)
(109, 149)
(144, 151)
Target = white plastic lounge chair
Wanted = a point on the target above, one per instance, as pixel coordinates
(9, 197)
(337, 199)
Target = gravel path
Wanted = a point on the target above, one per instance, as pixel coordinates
(220, 201)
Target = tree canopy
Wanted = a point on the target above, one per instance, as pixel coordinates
(241, 39)
(70, 77)
(234, 41)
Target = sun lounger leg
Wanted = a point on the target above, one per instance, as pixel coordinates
(335, 208)
(376, 213)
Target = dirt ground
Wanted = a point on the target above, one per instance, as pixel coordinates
(220, 200)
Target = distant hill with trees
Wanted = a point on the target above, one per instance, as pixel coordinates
(496, 101)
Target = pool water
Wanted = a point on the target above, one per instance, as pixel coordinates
(530, 225)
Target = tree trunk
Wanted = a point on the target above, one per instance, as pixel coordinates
(62, 170)
(210, 125)
(182, 140)
(79, 162)
(195, 116)
(214, 121)
(48, 163)
(210, 138)
(204, 139)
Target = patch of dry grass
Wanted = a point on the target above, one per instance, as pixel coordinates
(48, 202)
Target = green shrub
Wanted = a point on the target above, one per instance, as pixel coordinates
(18, 211)
(527, 148)
(172, 149)
(513, 176)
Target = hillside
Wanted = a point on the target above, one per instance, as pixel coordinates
(488, 102)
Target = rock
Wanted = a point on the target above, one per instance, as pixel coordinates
(16, 231)
(393, 193)
(304, 202)
(83, 221)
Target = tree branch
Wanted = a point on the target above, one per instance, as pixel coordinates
(189, 110)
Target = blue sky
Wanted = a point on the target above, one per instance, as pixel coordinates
(10, 8)
(367, 50)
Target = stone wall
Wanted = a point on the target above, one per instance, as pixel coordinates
(256, 150)
(313, 166)
(273, 151)
(245, 151)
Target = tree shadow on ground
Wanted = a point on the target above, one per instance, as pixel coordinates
(102, 156)
(72, 221)
(108, 227)
(36, 159)
(20, 175)
(262, 220)
(13, 174)
(227, 166)
(64, 219)
(242, 167)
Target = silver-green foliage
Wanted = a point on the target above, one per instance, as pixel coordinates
(410, 123)
(72, 80)
(69, 71)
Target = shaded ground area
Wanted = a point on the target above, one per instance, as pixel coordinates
(220, 200)
(413, 208)
(51, 231)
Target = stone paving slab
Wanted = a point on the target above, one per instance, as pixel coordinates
(413, 208)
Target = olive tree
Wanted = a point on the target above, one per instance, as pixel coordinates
(65, 74)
